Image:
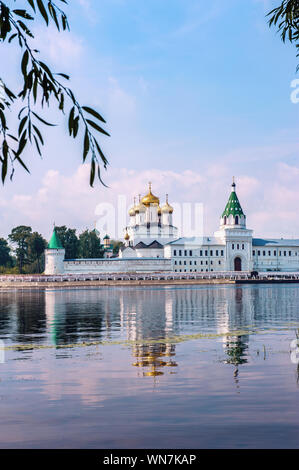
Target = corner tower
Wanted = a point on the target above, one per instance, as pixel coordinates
(54, 255)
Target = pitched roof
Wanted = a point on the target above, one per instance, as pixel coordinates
(55, 243)
(155, 244)
(275, 242)
(233, 206)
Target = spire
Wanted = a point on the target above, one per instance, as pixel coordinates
(233, 206)
(55, 243)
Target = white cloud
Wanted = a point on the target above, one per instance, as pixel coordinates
(271, 208)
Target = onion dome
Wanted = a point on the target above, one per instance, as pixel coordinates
(106, 237)
(127, 236)
(140, 207)
(167, 208)
(132, 211)
(150, 198)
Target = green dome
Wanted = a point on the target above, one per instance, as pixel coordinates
(55, 243)
(233, 206)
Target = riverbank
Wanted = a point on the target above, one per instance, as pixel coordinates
(41, 281)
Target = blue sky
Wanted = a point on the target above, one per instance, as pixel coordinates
(193, 93)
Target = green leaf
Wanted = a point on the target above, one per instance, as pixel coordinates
(93, 113)
(24, 63)
(42, 120)
(92, 172)
(86, 145)
(42, 10)
(23, 14)
(98, 128)
(71, 120)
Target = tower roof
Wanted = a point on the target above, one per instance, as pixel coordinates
(150, 198)
(233, 206)
(55, 243)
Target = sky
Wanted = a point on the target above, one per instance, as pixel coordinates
(193, 93)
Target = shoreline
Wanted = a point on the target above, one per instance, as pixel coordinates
(13, 285)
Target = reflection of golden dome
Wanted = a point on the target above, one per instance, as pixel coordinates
(167, 208)
(150, 198)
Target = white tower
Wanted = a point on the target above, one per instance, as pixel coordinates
(54, 256)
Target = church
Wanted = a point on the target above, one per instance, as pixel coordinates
(152, 245)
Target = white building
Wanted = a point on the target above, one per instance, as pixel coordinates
(151, 245)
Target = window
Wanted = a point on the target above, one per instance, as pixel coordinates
(242, 246)
(280, 253)
(190, 252)
(206, 252)
(206, 262)
(211, 252)
(269, 253)
(253, 253)
(195, 263)
(201, 262)
(217, 253)
(233, 246)
(237, 220)
(175, 262)
(211, 262)
(222, 253)
(180, 262)
(185, 252)
(185, 262)
(200, 253)
(224, 220)
(290, 253)
(190, 262)
(284, 253)
(174, 252)
(219, 262)
(274, 252)
(264, 253)
(180, 252)
(258, 253)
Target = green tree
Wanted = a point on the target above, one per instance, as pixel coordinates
(69, 241)
(116, 246)
(5, 257)
(40, 86)
(19, 237)
(90, 245)
(36, 247)
(286, 18)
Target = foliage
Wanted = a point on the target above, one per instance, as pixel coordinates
(19, 237)
(116, 246)
(69, 241)
(286, 18)
(36, 247)
(5, 257)
(90, 245)
(41, 86)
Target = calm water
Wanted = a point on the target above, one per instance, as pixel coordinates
(193, 367)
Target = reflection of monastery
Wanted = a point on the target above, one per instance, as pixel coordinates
(151, 245)
(147, 318)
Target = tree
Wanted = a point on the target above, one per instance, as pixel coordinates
(40, 85)
(5, 257)
(90, 245)
(286, 17)
(69, 241)
(117, 244)
(19, 236)
(36, 247)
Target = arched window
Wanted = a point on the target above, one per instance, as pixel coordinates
(237, 220)
(224, 220)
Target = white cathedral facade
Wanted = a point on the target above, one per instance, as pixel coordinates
(152, 245)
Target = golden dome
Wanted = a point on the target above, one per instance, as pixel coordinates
(150, 198)
(140, 207)
(127, 236)
(132, 211)
(167, 208)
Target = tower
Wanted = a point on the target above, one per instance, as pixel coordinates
(235, 235)
(54, 255)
